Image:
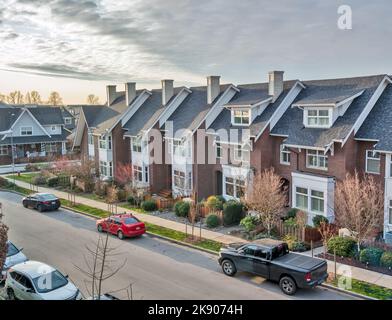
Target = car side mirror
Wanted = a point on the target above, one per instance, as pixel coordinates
(241, 251)
(66, 276)
(21, 249)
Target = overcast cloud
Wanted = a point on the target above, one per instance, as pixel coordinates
(147, 40)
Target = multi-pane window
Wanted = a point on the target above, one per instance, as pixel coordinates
(284, 155)
(3, 150)
(318, 118)
(179, 179)
(138, 173)
(105, 143)
(26, 131)
(102, 143)
(234, 187)
(181, 149)
(241, 117)
(301, 198)
(90, 138)
(137, 145)
(372, 161)
(317, 159)
(316, 201)
(390, 212)
(241, 154)
(146, 173)
(106, 168)
(218, 150)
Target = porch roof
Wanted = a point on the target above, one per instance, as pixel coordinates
(35, 139)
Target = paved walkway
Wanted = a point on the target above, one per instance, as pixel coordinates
(357, 273)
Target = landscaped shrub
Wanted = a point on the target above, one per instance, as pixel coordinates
(131, 200)
(149, 205)
(212, 221)
(39, 180)
(4, 182)
(292, 213)
(232, 212)
(249, 223)
(294, 244)
(386, 259)
(181, 208)
(371, 256)
(100, 188)
(318, 219)
(345, 246)
(214, 203)
(53, 182)
(121, 195)
(290, 222)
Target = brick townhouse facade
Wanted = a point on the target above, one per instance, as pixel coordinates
(215, 138)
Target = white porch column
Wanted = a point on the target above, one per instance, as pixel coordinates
(63, 148)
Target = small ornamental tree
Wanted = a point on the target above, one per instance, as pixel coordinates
(359, 206)
(123, 174)
(266, 197)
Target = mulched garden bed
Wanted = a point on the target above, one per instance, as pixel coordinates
(355, 263)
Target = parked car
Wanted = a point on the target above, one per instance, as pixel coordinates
(33, 280)
(272, 260)
(14, 256)
(124, 226)
(41, 202)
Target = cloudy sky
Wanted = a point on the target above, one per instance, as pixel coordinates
(78, 46)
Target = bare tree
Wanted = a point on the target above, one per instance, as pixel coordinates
(92, 99)
(27, 98)
(359, 206)
(15, 97)
(55, 99)
(3, 98)
(327, 231)
(35, 97)
(3, 240)
(123, 173)
(100, 265)
(266, 197)
(112, 195)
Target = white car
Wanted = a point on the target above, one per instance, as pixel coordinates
(33, 280)
(14, 256)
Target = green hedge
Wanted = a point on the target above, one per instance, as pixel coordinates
(181, 208)
(53, 181)
(232, 212)
(149, 205)
(318, 219)
(371, 256)
(386, 259)
(249, 223)
(345, 246)
(212, 221)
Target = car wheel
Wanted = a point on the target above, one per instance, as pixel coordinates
(229, 268)
(40, 208)
(11, 294)
(288, 286)
(99, 228)
(120, 235)
(24, 204)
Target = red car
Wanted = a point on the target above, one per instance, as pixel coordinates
(123, 226)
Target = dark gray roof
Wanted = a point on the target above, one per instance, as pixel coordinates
(47, 115)
(103, 117)
(223, 121)
(329, 95)
(36, 139)
(6, 118)
(148, 113)
(378, 124)
(193, 109)
(291, 123)
(250, 94)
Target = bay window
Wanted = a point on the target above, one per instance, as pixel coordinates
(106, 168)
(301, 198)
(316, 201)
(309, 200)
(105, 143)
(318, 118)
(284, 155)
(240, 117)
(316, 159)
(373, 162)
(234, 187)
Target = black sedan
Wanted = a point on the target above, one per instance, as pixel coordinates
(41, 202)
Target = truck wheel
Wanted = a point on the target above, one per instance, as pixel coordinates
(229, 268)
(288, 286)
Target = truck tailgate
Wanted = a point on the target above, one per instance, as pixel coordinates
(300, 261)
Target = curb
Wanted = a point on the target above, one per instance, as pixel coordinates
(350, 293)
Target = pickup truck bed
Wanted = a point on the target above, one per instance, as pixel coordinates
(299, 261)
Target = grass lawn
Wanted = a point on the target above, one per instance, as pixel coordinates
(367, 289)
(133, 208)
(86, 209)
(25, 177)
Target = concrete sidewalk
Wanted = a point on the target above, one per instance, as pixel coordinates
(178, 226)
(356, 273)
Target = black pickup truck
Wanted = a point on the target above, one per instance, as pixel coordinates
(272, 260)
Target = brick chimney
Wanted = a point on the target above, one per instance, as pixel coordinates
(130, 92)
(167, 91)
(275, 84)
(213, 88)
(111, 94)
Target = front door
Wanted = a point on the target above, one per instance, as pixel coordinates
(219, 183)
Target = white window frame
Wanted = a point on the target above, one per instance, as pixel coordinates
(106, 168)
(319, 198)
(318, 154)
(241, 154)
(90, 139)
(389, 221)
(181, 148)
(302, 194)
(53, 128)
(373, 157)
(137, 173)
(67, 121)
(137, 145)
(3, 150)
(237, 183)
(218, 150)
(318, 118)
(285, 155)
(25, 130)
(240, 114)
(309, 196)
(105, 143)
(180, 176)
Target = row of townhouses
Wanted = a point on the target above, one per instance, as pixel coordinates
(211, 140)
(31, 133)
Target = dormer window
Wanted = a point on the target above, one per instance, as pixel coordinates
(240, 117)
(317, 118)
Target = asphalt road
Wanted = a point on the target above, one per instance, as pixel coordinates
(158, 269)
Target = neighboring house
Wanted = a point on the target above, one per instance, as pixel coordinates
(69, 119)
(33, 131)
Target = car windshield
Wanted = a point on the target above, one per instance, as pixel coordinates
(12, 250)
(49, 282)
(47, 197)
(131, 220)
(280, 251)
